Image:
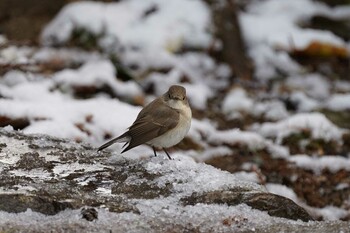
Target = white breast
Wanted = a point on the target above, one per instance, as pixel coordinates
(175, 135)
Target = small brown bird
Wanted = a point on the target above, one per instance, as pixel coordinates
(162, 123)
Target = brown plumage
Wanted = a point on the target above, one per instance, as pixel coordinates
(162, 123)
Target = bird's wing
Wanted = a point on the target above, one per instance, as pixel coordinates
(153, 124)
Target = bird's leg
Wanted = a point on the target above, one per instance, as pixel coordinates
(154, 151)
(167, 154)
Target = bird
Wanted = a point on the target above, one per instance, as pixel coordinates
(162, 123)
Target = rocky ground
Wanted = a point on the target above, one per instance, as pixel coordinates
(285, 128)
(69, 186)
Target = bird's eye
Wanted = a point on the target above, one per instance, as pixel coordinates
(184, 98)
(169, 96)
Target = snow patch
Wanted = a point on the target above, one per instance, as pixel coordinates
(338, 102)
(318, 125)
(121, 24)
(317, 164)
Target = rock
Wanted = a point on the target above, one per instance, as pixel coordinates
(51, 182)
(16, 123)
(15, 203)
(275, 205)
(89, 214)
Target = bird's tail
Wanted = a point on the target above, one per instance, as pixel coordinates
(121, 138)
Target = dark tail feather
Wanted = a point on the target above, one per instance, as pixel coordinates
(121, 138)
(125, 145)
(107, 144)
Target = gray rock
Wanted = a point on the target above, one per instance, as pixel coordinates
(275, 205)
(55, 184)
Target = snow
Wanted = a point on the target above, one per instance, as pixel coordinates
(314, 85)
(13, 54)
(235, 136)
(8, 158)
(333, 213)
(187, 176)
(59, 117)
(120, 24)
(316, 123)
(332, 162)
(65, 55)
(270, 110)
(3, 39)
(198, 95)
(271, 28)
(63, 170)
(183, 173)
(328, 212)
(57, 114)
(96, 73)
(304, 103)
(243, 218)
(204, 131)
(164, 32)
(276, 29)
(282, 191)
(342, 86)
(151, 35)
(339, 102)
(270, 62)
(247, 176)
(235, 101)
